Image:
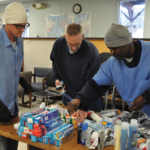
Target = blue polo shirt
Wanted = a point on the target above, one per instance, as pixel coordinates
(10, 67)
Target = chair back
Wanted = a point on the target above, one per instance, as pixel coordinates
(49, 79)
(27, 75)
(41, 72)
(104, 56)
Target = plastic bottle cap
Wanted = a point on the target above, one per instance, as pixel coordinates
(84, 127)
(118, 122)
(133, 121)
(83, 143)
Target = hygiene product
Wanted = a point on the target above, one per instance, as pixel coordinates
(83, 138)
(93, 124)
(133, 130)
(95, 117)
(118, 134)
(124, 134)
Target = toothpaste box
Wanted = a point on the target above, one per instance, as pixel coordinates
(63, 132)
(25, 136)
(46, 140)
(31, 118)
(31, 113)
(40, 139)
(49, 116)
(33, 138)
(30, 132)
(30, 126)
(49, 133)
(16, 126)
(37, 120)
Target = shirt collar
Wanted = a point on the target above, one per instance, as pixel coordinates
(6, 39)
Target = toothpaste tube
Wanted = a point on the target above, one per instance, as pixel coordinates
(49, 116)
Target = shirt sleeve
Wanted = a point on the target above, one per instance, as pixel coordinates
(90, 93)
(56, 75)
(146, 96)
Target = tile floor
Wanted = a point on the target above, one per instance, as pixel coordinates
(36, 104)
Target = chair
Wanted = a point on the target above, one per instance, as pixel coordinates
(27, 76)
(41, 73)
(48, 93)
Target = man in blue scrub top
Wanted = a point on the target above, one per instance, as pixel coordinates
(128, 69)
(11, 57)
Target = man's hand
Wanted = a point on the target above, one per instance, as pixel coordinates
(57, 82)
(73, 106)
(81, 115)
(137, 104)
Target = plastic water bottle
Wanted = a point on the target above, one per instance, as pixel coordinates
(133, 131)
(124, 135)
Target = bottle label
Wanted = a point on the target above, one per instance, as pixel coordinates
(134, 139)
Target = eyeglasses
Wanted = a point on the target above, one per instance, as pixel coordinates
(75, 45)
(18, 26)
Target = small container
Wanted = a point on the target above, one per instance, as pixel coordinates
(124, 135)
(83, 138)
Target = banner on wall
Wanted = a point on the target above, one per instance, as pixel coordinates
(1, 19)
(56, 24)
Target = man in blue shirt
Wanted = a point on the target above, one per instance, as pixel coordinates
(11, 57)
(127, 69)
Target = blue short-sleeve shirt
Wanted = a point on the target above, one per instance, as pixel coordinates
(10, 67)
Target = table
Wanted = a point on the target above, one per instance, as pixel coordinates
(7, 130)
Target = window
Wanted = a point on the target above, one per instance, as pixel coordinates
(26, 32)
(131, 15)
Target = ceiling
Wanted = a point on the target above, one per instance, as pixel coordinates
(21, 1)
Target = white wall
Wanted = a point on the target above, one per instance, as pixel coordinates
(103, 13)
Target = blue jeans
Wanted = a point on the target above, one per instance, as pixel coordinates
(7, 143)
(97, 106)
